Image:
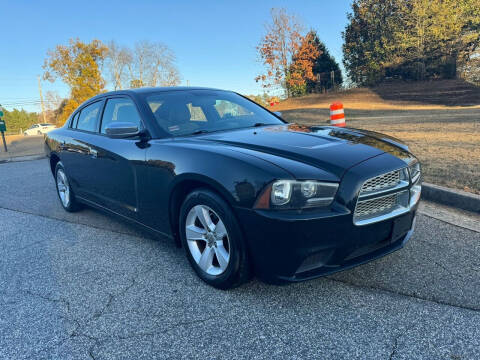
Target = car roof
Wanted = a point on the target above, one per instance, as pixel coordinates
(148, 90)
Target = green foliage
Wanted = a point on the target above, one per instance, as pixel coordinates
(298, 90)
(17, 120)
(410, 39)
(322, 68)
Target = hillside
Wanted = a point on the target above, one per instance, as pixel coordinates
(396, 95)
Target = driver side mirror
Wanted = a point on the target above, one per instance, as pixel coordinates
(122, 130)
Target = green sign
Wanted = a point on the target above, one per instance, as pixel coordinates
(3, 127)
(1, 113)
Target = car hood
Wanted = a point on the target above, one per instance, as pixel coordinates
(332, 149)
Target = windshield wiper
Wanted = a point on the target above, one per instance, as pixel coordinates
(259, 124)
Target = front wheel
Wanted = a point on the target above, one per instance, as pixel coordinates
(64, 190)
(213, 241)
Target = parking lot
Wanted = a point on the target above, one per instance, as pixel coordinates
(86, 285)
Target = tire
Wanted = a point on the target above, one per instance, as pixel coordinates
(67, 196)
(224, 272)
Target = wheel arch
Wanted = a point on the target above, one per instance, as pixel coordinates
(54, 159)
(183, 186)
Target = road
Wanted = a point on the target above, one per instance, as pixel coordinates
(86, 286)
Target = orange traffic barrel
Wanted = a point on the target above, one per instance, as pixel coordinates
(337, 117)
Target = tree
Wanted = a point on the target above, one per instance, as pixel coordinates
(301, 68)
(152, 64)
(118, 58)
(368, 40)
(410, 39)
(322, 69)
(17, 120)
(79, 66)
(277, 47)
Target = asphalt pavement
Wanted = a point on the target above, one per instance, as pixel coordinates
(87, 286)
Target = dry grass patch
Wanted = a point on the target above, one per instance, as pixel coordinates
(427, 95)
(450, 155)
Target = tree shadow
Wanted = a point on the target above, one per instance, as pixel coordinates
(435, 92)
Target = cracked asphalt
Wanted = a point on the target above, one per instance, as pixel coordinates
(87, 286)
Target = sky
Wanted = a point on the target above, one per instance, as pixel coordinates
(214, 41)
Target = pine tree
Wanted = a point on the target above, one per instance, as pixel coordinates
(323, 66)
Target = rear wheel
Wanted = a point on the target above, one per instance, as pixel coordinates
(212, 240)
(64, 190)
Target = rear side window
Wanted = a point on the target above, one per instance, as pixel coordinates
(88, 119)
(121, 110)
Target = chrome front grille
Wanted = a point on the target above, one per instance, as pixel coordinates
(381, 182)
(383, 196)
(375, 206)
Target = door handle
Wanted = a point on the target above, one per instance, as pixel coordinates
(93, 153)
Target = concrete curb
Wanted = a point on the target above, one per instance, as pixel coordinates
(22, 158)
(455, 198)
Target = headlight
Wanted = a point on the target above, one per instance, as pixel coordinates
(415, 171)
(293, 194)
(415, 176)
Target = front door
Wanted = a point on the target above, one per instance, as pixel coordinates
(118, 162)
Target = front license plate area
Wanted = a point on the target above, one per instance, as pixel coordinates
(401, 226)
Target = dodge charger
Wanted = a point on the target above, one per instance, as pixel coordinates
(241, 190)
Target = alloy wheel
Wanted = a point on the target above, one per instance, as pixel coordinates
(63, 188)
(207, 240)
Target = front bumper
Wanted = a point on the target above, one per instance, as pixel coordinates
(296, 247)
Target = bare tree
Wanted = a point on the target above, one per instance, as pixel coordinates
(153, 64)
(148, 64)
(163, 71)
(118, 59)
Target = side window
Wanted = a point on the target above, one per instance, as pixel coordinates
(121, 110)
(73, 125)
(89, 117)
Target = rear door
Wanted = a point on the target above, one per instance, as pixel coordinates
(79, 152)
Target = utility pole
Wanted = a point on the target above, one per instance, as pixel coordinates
(41, 99)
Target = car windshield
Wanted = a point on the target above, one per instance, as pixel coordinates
(191, 112)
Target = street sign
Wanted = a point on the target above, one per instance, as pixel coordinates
(3, 127)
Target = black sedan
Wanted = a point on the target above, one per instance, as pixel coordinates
(240, 189)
